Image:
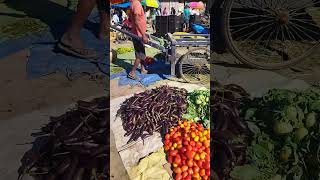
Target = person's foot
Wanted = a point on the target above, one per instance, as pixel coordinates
(143, 70)
(133, 76)
(73, 44)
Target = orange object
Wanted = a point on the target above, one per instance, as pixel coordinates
(118, 1)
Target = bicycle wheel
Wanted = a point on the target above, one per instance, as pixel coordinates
(271, 34)
(194, 66)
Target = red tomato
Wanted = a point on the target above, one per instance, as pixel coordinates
(195, 149)
(175, 135)
(190, 171)
(190, 154)
(184, 168)
(207, 165)
(166, 147)
(167, 141)
(167, 136)
(200, 127)
(207, 158)
(196, 169)
(188, 177)
(205, 177)
(192, 143)
(184, 174)
(173, 152)
(186, 143)
(207, 150)
(202, 172)
(183, 149)
(208, 172)
(199, 144)
(190, 162)
(177, 170)
(177, 160)
(178, 177)
(189, 148)
(170, 159)
(200, 163)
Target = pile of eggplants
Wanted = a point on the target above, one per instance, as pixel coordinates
(72, 146)
(230, 135)
(154, 110)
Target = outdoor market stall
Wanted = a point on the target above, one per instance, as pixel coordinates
(139, 133)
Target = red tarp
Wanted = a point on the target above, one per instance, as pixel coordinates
(118, 1)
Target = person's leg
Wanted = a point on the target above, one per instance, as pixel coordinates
(140, 57)
(72, 35)
(103, 32)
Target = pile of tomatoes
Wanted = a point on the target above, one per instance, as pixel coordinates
(188, 150)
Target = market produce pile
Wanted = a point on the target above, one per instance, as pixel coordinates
(123, 50)
(188, 150)
(230, 133)
(198, 107)
(286, 141)
(151, 111)
(71, 146)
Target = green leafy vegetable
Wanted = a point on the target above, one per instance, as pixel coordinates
(198, 107)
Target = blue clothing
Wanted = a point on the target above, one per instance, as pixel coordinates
(186, 14)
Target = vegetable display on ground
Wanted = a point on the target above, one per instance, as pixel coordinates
(151, 111)
(230, 134)
(71, 146)
(286, 137)
(123, 50)
(188, 151)
(198, 107)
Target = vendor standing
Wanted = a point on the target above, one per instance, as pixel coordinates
(186, 16)
(139, 28)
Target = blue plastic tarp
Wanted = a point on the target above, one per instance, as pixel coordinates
(125, 5)
(158, 71)
(200, 29)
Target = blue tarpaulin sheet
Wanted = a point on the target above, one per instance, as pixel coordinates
(200, 29)
(45, 59)
(157, 72)
(123, 5)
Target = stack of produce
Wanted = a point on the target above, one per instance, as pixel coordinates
(123, 50)
(286, 142)
(188, 150)
(71, 146)
(230, 133)
(151, 111)
(198, 107)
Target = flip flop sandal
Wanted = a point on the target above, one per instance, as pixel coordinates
(133, 77)
(78, 52)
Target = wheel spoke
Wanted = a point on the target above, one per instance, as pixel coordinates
(304, 6)
(243, 28)
(254, 16)
(251, 23)
(304, 22)
(305, 29)
(247, 13)
(252, 7)
(290, 34)
(256, 31)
